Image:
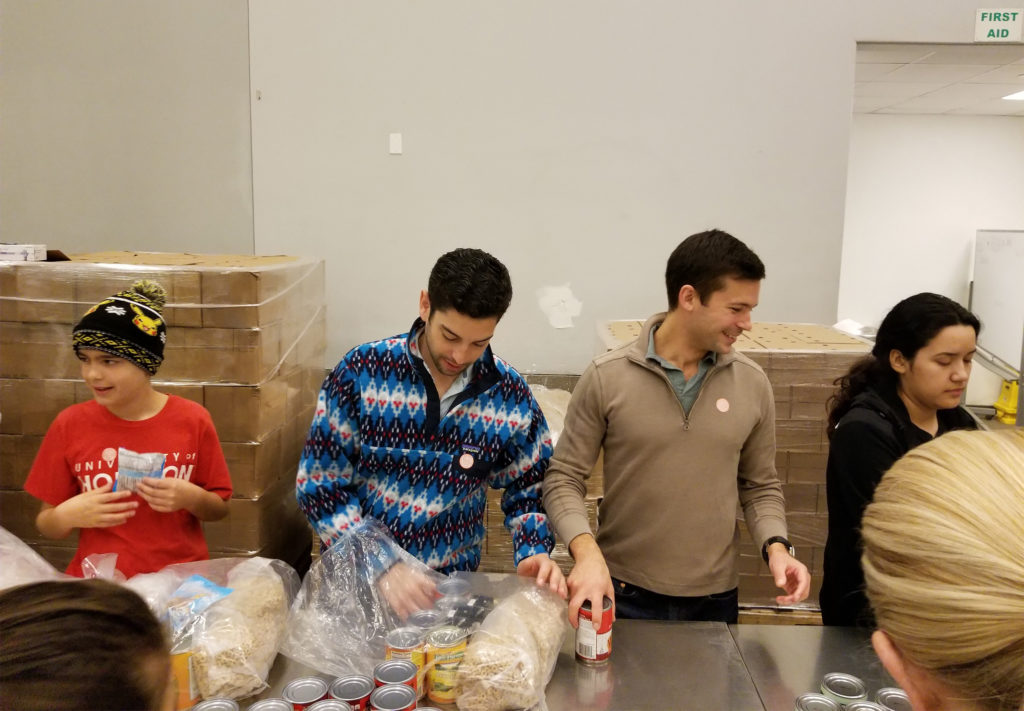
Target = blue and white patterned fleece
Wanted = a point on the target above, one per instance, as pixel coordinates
(379, 447)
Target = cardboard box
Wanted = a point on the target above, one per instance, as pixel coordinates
(28, 292)
(252, 524)
(17, 452)
(257, 467)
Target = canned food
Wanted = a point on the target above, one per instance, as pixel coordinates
(594, 646)
(396, 671)
(842, 688)
(329, 705)
(304, 692)
(216, 704)
(893, 699)
(393, 697)
(454, 587)
(815, 702)
(449, 602)
(445, 649)
(864, 706)
(354, 689)
(271, 705)
(425, 619)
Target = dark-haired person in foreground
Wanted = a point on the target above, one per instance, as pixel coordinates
(412, 429)
(81, 645)
(687, 426)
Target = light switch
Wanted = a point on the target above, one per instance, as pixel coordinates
(395, 144)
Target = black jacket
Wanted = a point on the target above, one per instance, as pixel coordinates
(868, 440)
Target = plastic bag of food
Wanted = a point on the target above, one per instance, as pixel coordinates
(511, 657)
(226, 618)
(22, 565)
(344, 610)
(236, 640)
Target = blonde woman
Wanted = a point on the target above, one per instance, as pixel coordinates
(944, 567)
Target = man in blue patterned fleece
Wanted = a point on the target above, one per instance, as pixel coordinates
(410, 430)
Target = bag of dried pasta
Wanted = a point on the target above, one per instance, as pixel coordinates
(510, 659)
(234, 645)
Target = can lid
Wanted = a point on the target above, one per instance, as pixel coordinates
(395, 671)
(893, 699)
(843, 686)
(392, 696)
(271, 705)
(352, 688)
(447, 636)
(216, 705)
(405, 637)
(815, 702)
(607, 605)
(424, 618)
(864, 706)
(454, 587)
(305, 690)
(329, 705)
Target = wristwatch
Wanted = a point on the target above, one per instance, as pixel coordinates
(777, 539)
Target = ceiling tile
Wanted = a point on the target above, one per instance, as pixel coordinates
(1010, 74)
(893, 90)
(974, 54)
(871, 72)
(877, 53)
(938, 73)
(867, 104)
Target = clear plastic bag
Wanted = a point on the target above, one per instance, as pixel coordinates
(511, 657)
(232, 637)
(21, 564)
(341, 616)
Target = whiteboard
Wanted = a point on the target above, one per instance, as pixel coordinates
(997, 296)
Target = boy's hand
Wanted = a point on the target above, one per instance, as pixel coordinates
(167, 495)
(97, 508)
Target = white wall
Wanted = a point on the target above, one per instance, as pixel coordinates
(125, 125)
(579, 141)
(919, 188)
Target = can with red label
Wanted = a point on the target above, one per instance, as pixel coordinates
(354, 689)
(396, 671)
(393, 697)
(408, 643)
(304, 692)
(594, 646)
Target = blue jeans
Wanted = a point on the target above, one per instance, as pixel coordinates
(636, 603)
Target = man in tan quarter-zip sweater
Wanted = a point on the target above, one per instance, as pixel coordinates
(688, 429)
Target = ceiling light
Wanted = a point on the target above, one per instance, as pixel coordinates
(1019, 96)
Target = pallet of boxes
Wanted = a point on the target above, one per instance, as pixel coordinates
(246, 339)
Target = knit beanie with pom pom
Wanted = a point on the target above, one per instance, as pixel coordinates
(129, 325)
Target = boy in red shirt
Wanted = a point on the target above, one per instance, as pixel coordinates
(153, 521)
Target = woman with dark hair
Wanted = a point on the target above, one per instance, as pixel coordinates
(84, 644)
(905, 393)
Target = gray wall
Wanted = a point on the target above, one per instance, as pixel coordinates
(125, 125)
(577, 140)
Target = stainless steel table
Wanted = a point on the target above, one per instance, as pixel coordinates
(654, 665)
(691, 665)
(785, 661)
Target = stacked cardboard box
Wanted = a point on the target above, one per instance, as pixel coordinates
(802, 362)
(246, 338)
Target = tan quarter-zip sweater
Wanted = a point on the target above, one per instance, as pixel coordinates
(671, 481)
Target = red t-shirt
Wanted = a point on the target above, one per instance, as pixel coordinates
(79, 453)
